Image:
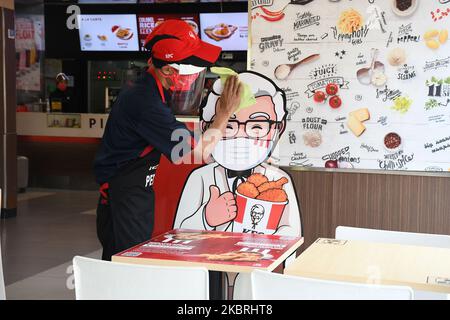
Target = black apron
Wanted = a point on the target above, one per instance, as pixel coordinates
(125, 212)
(126, 208)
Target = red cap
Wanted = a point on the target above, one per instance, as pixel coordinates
(174, 41)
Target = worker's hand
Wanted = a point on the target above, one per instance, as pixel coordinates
(229, 101)
(230, 97)
(221, 208)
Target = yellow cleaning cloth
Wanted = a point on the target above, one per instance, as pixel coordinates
(248, 98)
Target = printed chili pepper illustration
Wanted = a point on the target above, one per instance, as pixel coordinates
(274, 18)
(272, 13)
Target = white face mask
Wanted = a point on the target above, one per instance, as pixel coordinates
(240, 154)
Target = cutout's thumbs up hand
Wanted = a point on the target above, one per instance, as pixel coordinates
(221, 208)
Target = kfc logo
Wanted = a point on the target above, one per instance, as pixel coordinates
(169, 55)
(257, 213)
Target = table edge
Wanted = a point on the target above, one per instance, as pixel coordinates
(209, 266)
(354, 279)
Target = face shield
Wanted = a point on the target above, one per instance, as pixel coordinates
(187, 89)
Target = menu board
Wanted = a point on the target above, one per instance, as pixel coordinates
(367, 82)
(214, 247)
(108, 32)
(226, 30)
(148, 22)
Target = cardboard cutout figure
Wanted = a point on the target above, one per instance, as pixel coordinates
(265, 198)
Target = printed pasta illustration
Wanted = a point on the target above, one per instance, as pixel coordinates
(350, 21)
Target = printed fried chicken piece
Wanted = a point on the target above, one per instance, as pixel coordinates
(187, 236)
(257, 179)
(248, 189)
(273, 185)
(199, 236)
(273, 195)
(233, 256)
(249, 256)
(227, 256)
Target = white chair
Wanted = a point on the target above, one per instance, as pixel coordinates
(2, 280)
(104, 280)
(242, 289)
(406, 238)
(274, 286)
(385, 236)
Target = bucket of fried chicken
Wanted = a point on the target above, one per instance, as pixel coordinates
(260, 204)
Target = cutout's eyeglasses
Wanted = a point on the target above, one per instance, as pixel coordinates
(255, 129)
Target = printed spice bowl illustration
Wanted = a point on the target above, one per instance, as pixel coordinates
(392, 142)
(243, 256)
(260, 204)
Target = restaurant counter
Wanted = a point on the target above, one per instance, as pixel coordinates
(61, 147)
(62, 157)
(76, 125)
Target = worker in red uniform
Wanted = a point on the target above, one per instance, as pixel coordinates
(62, 99)
(139, 130)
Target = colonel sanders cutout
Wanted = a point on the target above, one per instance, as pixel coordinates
(240, 191)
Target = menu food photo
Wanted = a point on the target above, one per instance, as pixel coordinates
(367, 82)
(148, 22)
(108, 32)
(227, 30)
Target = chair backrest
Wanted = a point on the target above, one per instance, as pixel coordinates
(273, 286)
(407, 238)
(2, 279)
(104, 280)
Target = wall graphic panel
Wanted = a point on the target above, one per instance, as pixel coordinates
(367, 81)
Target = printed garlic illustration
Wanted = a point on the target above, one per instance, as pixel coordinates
(378, 78)
(397, 57)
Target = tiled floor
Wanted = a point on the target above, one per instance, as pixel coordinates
(53, 284)
(51, 227)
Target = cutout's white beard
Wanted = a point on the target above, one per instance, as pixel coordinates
(240, 154)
